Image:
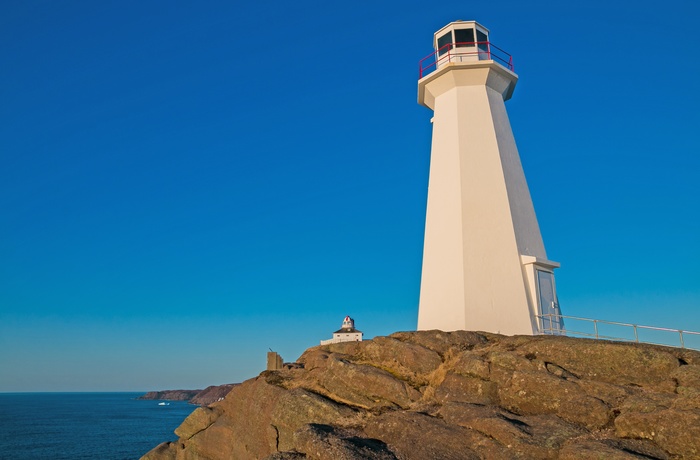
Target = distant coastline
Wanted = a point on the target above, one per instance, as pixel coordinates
(204, 397)
(171, 395)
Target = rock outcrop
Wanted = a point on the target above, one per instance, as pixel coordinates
(457, 395)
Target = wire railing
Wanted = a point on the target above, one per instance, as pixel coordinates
(612, 330)
(463, 52)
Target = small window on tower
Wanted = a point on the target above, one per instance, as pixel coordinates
(464, 37)
(443, 42)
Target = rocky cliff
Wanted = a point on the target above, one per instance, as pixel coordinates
(459, 395)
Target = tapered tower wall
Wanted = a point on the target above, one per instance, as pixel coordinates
(480, 218)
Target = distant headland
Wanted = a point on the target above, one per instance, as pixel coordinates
(204, 397)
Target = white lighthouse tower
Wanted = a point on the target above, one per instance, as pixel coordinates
(484, 263)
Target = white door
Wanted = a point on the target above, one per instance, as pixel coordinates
(550, 314)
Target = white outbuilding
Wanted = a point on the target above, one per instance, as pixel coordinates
(347, 333)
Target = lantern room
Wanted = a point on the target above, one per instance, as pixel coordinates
(461, 41)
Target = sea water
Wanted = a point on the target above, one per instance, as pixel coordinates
(105, 426)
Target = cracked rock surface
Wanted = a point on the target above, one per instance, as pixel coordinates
(433, 395)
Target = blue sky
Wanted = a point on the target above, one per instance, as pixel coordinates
(185, 186)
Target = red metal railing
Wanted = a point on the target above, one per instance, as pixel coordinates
(459, 52)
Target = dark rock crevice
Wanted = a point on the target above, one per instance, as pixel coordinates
(277, 438)
(560, 371)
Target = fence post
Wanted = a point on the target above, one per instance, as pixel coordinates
(636, 338)
(595, 326)
(681, 334)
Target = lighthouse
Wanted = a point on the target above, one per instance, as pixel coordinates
(484, 263)
(347, 333)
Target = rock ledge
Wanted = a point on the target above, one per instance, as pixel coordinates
(457, 395)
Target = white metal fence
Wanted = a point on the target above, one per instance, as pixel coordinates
(573, 326)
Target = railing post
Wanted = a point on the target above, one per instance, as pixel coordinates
(636, 338)
(560, 325)
(595, 327)
(551, 323)
(681, 334)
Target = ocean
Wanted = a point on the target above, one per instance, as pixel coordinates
(105, 426)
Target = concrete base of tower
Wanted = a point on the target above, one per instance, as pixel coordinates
(513, 319)
(524, 303)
